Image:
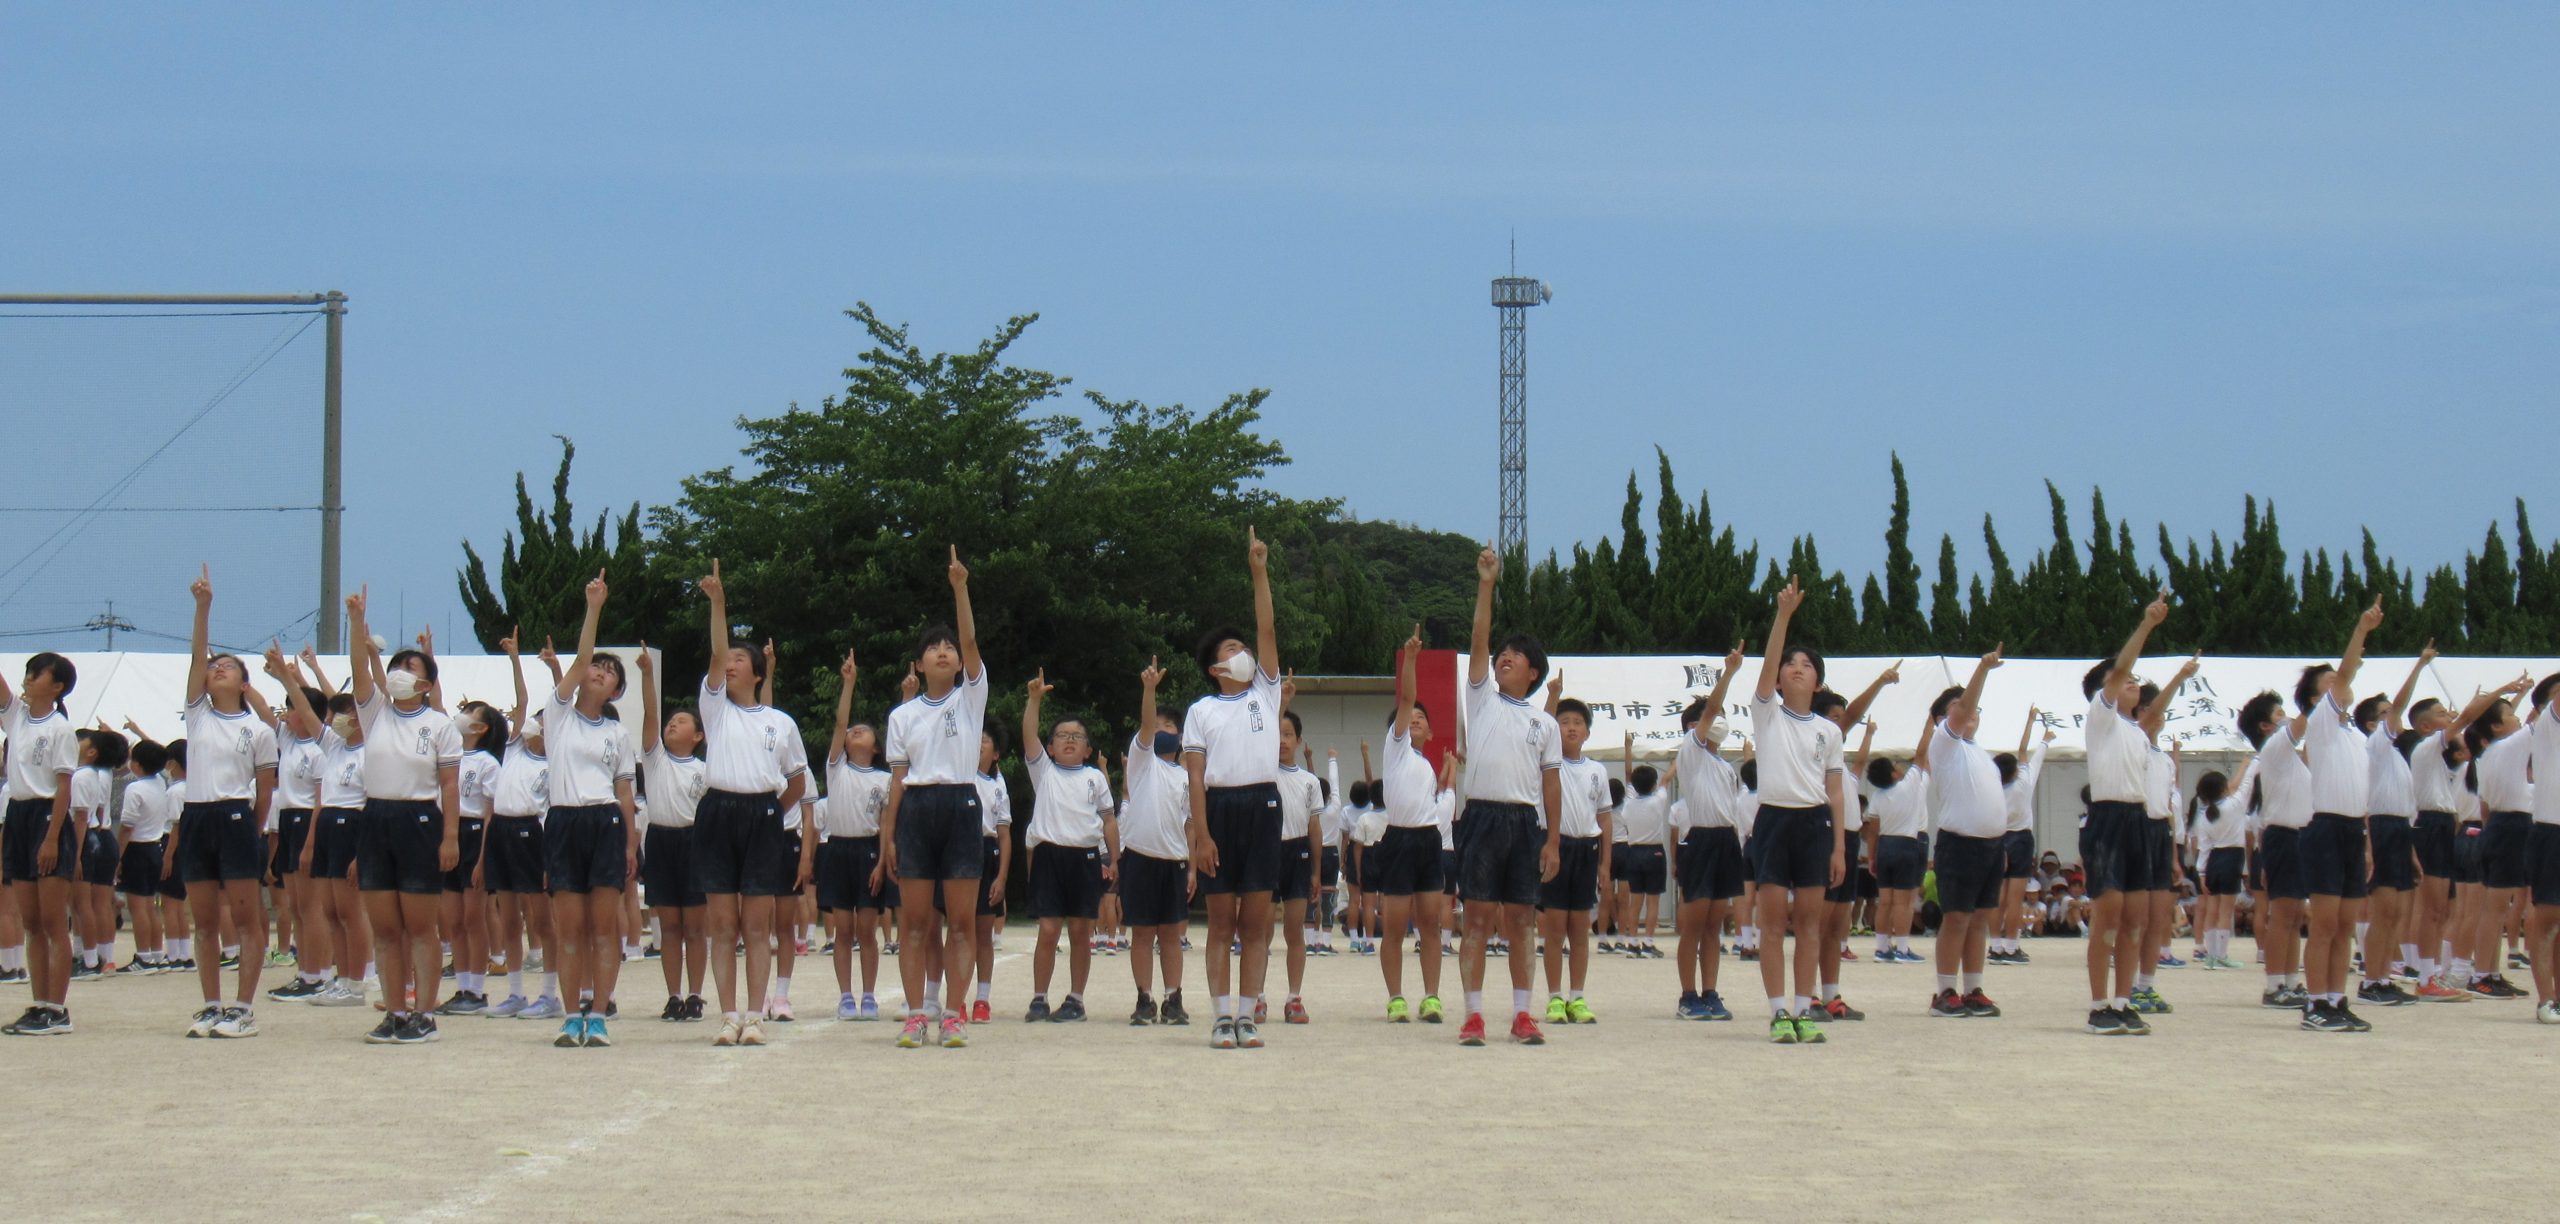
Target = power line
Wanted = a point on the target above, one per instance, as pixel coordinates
(169, 314)
(156, 509)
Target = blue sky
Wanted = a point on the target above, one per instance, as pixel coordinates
(2306, 251)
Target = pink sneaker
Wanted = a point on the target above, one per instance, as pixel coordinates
(955, 1033)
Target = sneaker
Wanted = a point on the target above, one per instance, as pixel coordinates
(544, 1008)
(1173, 1012)
(1431, 1010)
(2518, 960)
(2548, 1013)
(752, 1032)
(911, 1034)
(846, 1009)
(1261, 1009)
(673, 1011)
(205, 1019)
(1838, 1009)
(1222, 1036)
(82, 971)
(2170, 962)
(1995, 957)
(2134, 1024)
(573, 1033)
(1398, 1011)
(981, 1013)
(1715, 1007)
(1525, 1031)
(513, 1006)
(1809, 1027)
(1979, 1006)
(2432, 991)
(2494, 986)
(1947, 1005)
(418, 1029)
(2149, 1002)
(1782, 1030)
(295, 991)
(2106, 1022)
(1146, 1011)
(1579, 1011)
(385, 1033)
(236, 1022)
(1248, 1034)
(730, 1032)
(2019, 958)
(1746, 954)
(463, 1003)
(2297, 997)
(1691, 1007)
(2321, 1018)
(868, 1010)
(596, 1034)
(1555, 1010)
(1848, 954)
(2383, 994)
(1294, 1012)
(778, 1010)
(39, 1022)
(1471, 1033)
(1070, 1011)
(693, 1007)
(1037, 1012)
(2354, 1021)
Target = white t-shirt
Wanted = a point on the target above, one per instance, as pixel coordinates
(298, 765)
(1510, 746)
(341, 773)
(1582, 789)
(2020, 796)
(1444, 817)
(1334, 816)
(1155, 818)
(1643, 820)
(2223, 826)
(1799, 754)
(748, 750)
(92, 789)
(2119, 754)
(1679, 822)
(402, 750)
(2504, 785)
(476, 783)
(2546, 764)
(2434, 785)
(1409, 782)
(1898, 809)
(995, 802)
(797, 815)
(1964, 796)
(1709, 788)
(1301, 796)
(937, 740)
(2341, 776)
(675, 785)
(2160, 786)
(147, 809)
(225, 753)
(522, 786)
(1239, 735)
(41, 750)
(1066, 804)
(2284, 782)
(2393, 784)
(589, 754)
(855, 796)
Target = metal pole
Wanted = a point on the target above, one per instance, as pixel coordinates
(331, 506)
(169, 299)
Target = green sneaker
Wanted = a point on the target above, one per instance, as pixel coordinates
(2159, 1003)
(1579, 1011)
(1556, 1013)
(1782, 1030)
(1431, 1009)
(1808, 1032)
(1398, 1012)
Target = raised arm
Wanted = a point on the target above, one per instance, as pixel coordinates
(1266, 630)
(1789, 599)
(1920, 755)
(319, 676)
(2478, 707)
(2131, 653)
(1972, 698)
(2396, 716)
(772, 668)
(1555, 692)
(1147, 682)
(427, 647)
(1866, 747)
(964, 621)
(2157, 713)
(718, 593)
(2342, 684)
(1715, 706)
(362, 655)
(566, 687)
(1480, 638)
(845, 676)
(515, 715)
(1032, 748)
(2028, 732)
(197, 659)
(649, 721)
(1867, 696)
(300, 719)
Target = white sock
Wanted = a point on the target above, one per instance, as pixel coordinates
(1519, 1001)
(2409, 954)
(1777, 1007)
(1946, 981)
(932, 990)
(1972, 982)
(986, 991)
(782, 987)
(1475, 1002)
(1830, 991)
(551, 985)
(2360, 929)
(515, 983)
(1884, 944)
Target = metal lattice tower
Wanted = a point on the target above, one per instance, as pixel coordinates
(1513, 296)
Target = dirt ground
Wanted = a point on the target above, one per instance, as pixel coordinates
(2227, 1112)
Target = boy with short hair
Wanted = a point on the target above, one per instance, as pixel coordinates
(2018, 776)
(1566, 900)
(1156, 879)
(1510, 834)
(1301, 867)
(1074, 841)
(2116, 845)
(1706, 848)
(1969, 816)
(2333, 847)
(1231, 747)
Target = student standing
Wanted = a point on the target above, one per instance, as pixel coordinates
(1707, 848)
(1969, 818)
(930, 831)
(2018, 777)
(1803, 822)
(1639, 870)
(590, 840)
(1302, 806)
(1231, 746)
(850, 887)
(409, 835)
(142, 824)
(1156, 878)
(1404, 863)
(2391, 816)
(39, 842)
(231, 775)
(1509, 836)
(2333, 847)
(672, 772)
(2542, 851)
(1074, 842)
(755, 769)
(1567, 899)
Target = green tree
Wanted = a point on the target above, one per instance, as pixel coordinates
(543, 568)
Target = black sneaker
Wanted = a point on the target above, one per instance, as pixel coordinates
(2134, 1024)
(1173, 1013)
(2355, 1023)
(448, 971)
(692, 1008)
(1070, 1011)
(2106, 1022)
(1146, 1013)
(1947, 1005)
(387, 1032)
(674, 1009)
(612, 1010)
(418, 1029)
(1038, 1011)
(2378, 994)
(30, 1023)
(231, 960)
(1978, 1006)
(2320, 1017)
(296, 990)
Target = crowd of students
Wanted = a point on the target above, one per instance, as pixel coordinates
(400, 844)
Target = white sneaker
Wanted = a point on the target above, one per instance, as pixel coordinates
(339, 994)
(236, 1022)
(2548, 1013)
(205, 1019)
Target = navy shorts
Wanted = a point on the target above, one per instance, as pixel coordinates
(739, 845)
(1711, 865)
(2280, 860)
(1498, 850)
(1244, 823)
(938, 831)
(512, 858)
(666, 868)
(1900, 862)
(2431, 839)
(1330, 867)
(293, 829)
(1405, 861)
(2116, 852)
(1576, 886)
(1856, 880)
(22, 833)
(587, 849)
(98, 858)
(2542, 853)
(1154, 891)
(219, 843)
(2503, 861)
(469, 833)
(1640, 867)
(2222, 871)
(397, 843)
(2333, 856)
(1969, 872)
(2395, 852)
(1297, 871)
(2466, 853)
(990, 879)
(2018, 854)
(844, 872)
(1066, 881)
(138, 872)
(1795, 847)
(333, 842)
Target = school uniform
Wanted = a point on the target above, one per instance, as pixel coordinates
(2162, 834)
(1583, 796)
(218, 828)
(1237, 737)
(2469, 819)
(1855, 880)
(92, 791)
(1406, 859)
(1970, 815)
(995, 815)
(586, 836)
(1799, 756)
(2116, 843)
(849, 838)
(2221, 838)
(514, 858)
(1513, 745)
(1707, 830)
(2018, 833)
(750, 753)
(2284, 812)
(1301, 798)
(1641, 831)
(2391, 812)
(2507, 794)
(1066, 836)
(1155, 848)
(43, 752)
(297, 796)
(2341, 785)
(940, 819)
(2542, 847)
(401, 836)
(475, 782)
(145, 813)
(676, 785)
(2434, 785)
(334, 824)
(1898, 813)
(1330, 826)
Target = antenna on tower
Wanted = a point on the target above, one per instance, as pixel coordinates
(1513, 295)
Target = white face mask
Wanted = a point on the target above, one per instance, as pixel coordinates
(404, 685)
(344, 725)
(1239, 667)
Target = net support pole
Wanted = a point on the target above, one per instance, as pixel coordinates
(331, 506)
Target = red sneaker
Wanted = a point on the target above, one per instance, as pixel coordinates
(1294, 1012)
(1848, 954)
(1524, 1029)
(1472, 1032)
(980, 1013)
(1261, 1010)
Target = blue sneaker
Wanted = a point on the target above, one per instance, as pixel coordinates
(596, 1037)
(1692, 1007)
(544, 1008)
(507, 1009)
(870, 1009)
(2170, 962)
(573, 1033)
(847, 1009)
(1715, 1007)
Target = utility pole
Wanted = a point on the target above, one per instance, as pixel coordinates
(109, 622)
